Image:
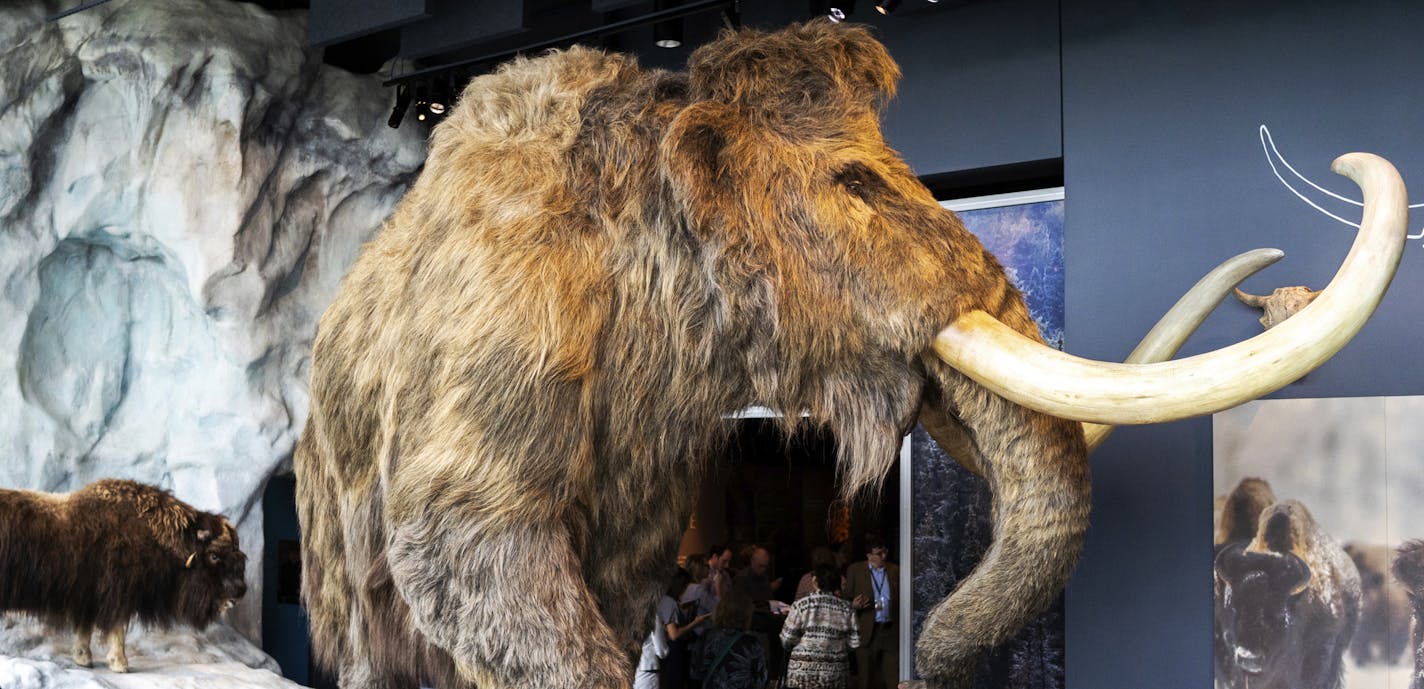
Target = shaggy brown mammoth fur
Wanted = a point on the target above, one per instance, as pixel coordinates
(524, 377)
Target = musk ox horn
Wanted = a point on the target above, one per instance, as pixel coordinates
(1066, 386)
(1171, 332)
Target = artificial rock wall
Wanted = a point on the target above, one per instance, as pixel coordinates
(182, 186)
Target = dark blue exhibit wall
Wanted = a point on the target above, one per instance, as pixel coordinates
(980, 80)
(979, 86)
(1166, 176)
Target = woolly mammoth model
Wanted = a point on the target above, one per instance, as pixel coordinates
(525, 375)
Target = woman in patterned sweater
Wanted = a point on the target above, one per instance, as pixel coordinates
(819, 634)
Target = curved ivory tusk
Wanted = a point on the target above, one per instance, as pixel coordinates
(1172, 330)
(1070, 387)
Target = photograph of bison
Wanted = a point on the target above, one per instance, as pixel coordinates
(1408, 570)
(1351, 465)
(519, 386)
(1287, 603)
(1383, 632)
(112, 552)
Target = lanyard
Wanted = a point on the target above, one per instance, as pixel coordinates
(875, 581)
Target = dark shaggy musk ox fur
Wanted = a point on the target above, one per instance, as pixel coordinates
(113, 551)
(1383, 633)
(1408, 568)
(1287, 603)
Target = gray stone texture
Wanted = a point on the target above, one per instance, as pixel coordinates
(182, 186)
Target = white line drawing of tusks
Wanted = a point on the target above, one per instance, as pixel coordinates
(1268, 145)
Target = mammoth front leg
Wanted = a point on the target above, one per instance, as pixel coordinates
(1037, 470)
(502, 592)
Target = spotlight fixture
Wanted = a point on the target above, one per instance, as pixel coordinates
(840, 10)
(432, 100)
(402, 104)
(886, 6)
(667, 34)
(422, 100)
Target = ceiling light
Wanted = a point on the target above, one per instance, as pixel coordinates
(668, 34)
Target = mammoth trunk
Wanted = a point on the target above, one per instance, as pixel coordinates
(1037, 470)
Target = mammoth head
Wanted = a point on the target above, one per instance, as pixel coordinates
(866, 305)
(779, 162)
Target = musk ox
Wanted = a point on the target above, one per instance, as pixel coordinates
(1408, 568)
(1383, 632)
(1287, 603)
(113, 551)
(525, 374)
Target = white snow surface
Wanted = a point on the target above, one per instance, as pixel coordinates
(32, 657)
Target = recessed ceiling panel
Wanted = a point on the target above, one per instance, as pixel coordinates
(458, 23)
(333, 21)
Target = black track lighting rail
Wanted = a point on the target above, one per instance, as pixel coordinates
(669, 14)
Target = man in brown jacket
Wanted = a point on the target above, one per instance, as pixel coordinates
(873, 588)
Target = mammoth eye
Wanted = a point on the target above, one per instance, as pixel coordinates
(857, 179)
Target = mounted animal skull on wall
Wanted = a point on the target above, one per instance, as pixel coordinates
(1282, 303)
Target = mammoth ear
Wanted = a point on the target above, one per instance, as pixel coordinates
(695, 154)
